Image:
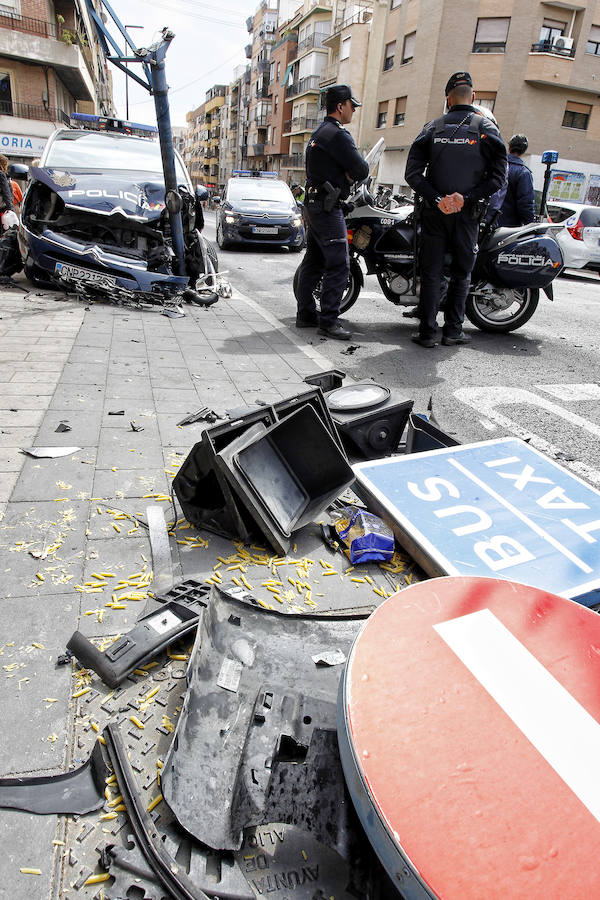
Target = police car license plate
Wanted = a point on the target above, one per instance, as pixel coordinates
(66, 271)
(264, 229)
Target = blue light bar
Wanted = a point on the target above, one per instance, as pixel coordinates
(254, 173)
(104, 123)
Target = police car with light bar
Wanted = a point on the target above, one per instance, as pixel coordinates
(259, 208)
(94, 216)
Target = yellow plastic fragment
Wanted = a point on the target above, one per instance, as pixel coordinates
(110, 815)
(25, 870)
(97, 879)
(116, 527)
(116, 801)
(154, 803)
(136, 721)
(80, 693)
(358, 580)
(40, 576)
(39, 646)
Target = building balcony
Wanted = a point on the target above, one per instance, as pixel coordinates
(248, 51)
(264, 65)
(250, 24)
(261, 121)
(35, 41)
(293, 161)
(310, 83)
(245, 102)
(256, 150)
(247, 76)
(262, 91)
(28, 111)
(545, 68)
(551, 47)
(361, 16)
(314, 40)
(300, 125)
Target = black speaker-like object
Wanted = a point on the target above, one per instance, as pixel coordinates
(205, 497)
(370, 418)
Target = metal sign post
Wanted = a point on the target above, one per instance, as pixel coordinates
(153, 65)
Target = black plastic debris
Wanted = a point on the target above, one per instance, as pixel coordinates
(350, 349)
(371, 431)
(77, 792)
(255, 740)
(62, 426)
(202, 415)
(327, 381)
(286, 474)
(423, 435)
(172, 615)
(203, 492)
(135, 427)
(208, 298)
(116, 412)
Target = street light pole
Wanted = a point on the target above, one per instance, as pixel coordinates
(127, 78)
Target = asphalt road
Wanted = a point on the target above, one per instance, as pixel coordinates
(541, 383)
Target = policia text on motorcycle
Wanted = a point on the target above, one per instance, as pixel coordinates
(332, 164)
(455, 163)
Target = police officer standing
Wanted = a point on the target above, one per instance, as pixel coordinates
(332, 164)
(455, 162)
(518, 206)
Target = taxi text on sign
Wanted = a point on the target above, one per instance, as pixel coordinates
(496, 508)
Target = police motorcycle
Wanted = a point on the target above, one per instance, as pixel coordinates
(512, 266)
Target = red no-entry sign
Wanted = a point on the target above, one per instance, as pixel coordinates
(469, 727)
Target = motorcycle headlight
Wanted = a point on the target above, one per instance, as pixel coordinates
(296, 221)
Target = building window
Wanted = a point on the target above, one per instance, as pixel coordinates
(577, 115)
(487, 99)
(274, 135)
(551, 29)
(491, 35)
(408, 50)
(388, 56)
(400, 111)
(6, 108)
(382, 114)
(593, 44)
(345, 50)
(278, 71)
(394, 4)
(276, 102)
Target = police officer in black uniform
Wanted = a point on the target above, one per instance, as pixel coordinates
(332, 164)
(455, 162)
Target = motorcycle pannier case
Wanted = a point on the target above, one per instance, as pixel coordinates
(528, 262)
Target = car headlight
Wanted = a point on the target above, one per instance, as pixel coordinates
(296, 221)
(230, 218)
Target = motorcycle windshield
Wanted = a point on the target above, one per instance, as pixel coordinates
(373, 158)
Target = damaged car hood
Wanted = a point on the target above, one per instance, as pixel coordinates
(97, 192)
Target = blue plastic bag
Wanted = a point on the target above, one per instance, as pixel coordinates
(367, 536)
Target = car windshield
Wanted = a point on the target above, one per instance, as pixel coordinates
(261, 190)
(87, 150)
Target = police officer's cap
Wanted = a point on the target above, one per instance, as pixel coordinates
(457, 80)
(339, 93)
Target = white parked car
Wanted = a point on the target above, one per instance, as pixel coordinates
(579, 240)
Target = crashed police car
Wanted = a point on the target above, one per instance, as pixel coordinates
(94, 217)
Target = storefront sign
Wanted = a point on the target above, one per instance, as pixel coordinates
(21, 144)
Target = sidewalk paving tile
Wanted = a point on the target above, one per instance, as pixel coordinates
(65, 476)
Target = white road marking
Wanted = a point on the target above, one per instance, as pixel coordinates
(485, 400)
(557, 725)
(572, 392)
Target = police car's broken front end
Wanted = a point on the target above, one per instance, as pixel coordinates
(101, 235)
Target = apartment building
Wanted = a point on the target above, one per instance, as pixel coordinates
(283, 53)
(264, 28)
(536, 65)
(193, 151)
(51, 64)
